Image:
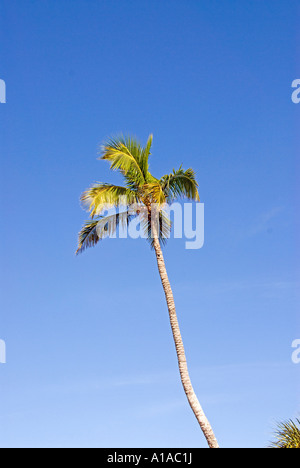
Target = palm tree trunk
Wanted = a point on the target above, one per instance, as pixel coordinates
(184, 373)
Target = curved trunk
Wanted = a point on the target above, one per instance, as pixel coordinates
(184, 373)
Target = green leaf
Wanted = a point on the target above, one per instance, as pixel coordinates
(101, 196)
(180, 183)
(105, 226)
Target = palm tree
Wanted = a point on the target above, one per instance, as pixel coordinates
(141, 193)
(287, 435)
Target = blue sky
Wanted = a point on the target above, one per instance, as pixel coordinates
(90, 357)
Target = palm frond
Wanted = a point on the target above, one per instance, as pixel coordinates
(88, 236)
(104, 226)
(101, 196)
(145, 158)
(125, 154)
(180, 183)
(287, 435)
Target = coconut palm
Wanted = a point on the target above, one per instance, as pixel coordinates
(287, 435)
(145, 197)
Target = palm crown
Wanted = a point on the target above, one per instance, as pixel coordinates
(137, 196)
(287, 435)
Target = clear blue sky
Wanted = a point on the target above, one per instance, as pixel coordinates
(90, 356)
